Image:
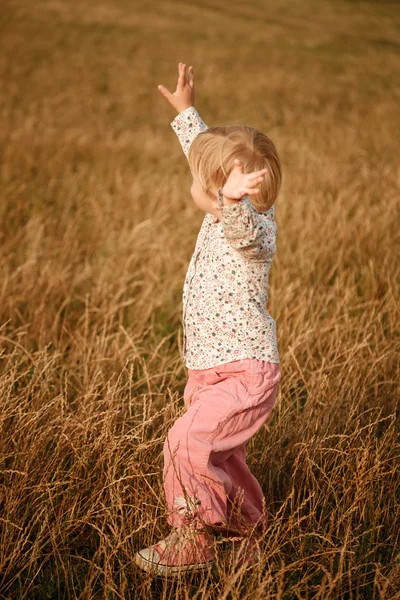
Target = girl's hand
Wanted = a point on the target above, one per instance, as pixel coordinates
(240, 184)
(183, 97)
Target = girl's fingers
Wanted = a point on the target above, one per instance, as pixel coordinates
(255, 181)
(259, 173)
(238, 165)
(165, 92)
(254, 177)
(182, 75)
(190, 76)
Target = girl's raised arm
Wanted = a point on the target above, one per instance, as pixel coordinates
(188, 123)
(187, 126)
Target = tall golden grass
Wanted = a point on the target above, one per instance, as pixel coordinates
(97, 228)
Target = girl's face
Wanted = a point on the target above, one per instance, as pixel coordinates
(203, 200)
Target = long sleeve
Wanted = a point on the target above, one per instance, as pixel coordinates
(187, 125)
(251, 233)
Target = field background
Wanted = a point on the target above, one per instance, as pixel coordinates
(97, 228)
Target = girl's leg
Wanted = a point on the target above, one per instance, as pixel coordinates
(246, 500)
(227, 406)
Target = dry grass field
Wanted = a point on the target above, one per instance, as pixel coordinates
(97, 228)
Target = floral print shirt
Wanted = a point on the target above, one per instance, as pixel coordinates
(226, 286)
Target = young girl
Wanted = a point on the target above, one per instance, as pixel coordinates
(230, 346)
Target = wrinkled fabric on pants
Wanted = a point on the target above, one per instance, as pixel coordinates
(205, 474)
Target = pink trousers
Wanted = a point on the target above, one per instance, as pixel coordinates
(205, 474)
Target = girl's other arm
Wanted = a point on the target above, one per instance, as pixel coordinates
(252, 234)
(188, 123)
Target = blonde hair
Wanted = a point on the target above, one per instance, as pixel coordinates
(213, 151)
